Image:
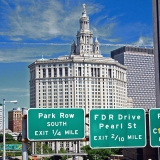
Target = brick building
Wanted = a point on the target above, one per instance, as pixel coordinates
(15, 120)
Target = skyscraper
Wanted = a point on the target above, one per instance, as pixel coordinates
(84, 79)
(140, 74)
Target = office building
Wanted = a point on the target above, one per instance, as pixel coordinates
(83, 79)
(140, 74)
(15, 120)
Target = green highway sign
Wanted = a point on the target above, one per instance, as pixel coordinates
(12, 147)
(154, 127)
(117, 128)
(45, 124)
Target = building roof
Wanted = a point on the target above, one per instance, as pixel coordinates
(131, 49)
(79, 59)
(16, 110)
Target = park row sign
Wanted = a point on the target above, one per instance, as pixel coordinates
(109, 128)
(55, 124)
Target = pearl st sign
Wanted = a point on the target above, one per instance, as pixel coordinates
(45, 124)
(114, 128)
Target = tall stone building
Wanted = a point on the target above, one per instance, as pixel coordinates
(140, 74)
(83, 79)
(15, 120)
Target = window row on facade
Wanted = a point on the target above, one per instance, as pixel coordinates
(79, 71)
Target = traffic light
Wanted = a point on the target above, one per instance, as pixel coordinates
(19, 138)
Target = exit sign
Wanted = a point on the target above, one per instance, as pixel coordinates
(10, 147)
(117, 128)
(154, 127)
(45, 124)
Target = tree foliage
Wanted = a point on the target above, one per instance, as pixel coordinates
(98, 154)
(62, 150)
(44, 147)
(9, 139)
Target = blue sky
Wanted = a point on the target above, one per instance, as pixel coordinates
(32, 28)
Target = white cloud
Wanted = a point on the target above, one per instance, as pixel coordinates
(43, 19)
(20, 92)
(23, 95)
(48, 19)
(29, 52)
(24, 52)
(144, 41)
(13, 90)
(103, 31)
(16, 39)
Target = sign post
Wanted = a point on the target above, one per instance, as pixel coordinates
(45, 124)
(114, 128)
(154, 127)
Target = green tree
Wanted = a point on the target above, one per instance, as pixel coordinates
(45, 148)
(98, 154)
(62, 150)
(8, 138)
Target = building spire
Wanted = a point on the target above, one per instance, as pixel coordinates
(96, 40)
(84, 11)
(85, 45)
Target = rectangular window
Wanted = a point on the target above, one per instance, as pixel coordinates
(79, 71)
(109, 73)
(92, 72)
(49, 72)
(66, 71)
(55, 72)
(98, 72)
(60, 72)
(44, 73)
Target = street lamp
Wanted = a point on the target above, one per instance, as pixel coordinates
(4, 138)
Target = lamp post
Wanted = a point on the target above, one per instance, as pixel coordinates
(4, 138)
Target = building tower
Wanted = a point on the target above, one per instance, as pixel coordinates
(140, 74)
(84, 79)
(85, 46)
(15, 120)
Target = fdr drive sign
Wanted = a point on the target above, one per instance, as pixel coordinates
(55, 124)
(115, 128)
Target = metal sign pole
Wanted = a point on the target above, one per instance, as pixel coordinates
(156, 33)
(24, 135)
